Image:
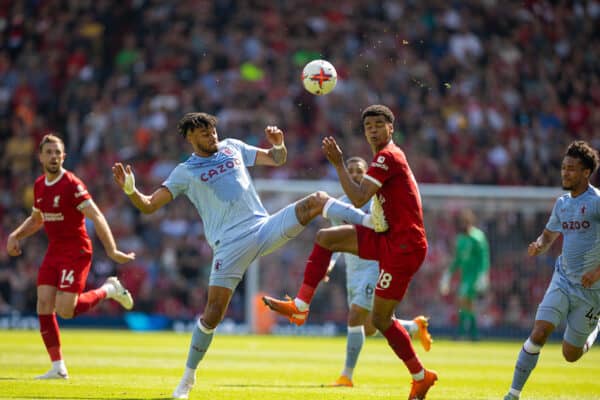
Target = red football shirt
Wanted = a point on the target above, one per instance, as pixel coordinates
(60, 203)
(399, 197)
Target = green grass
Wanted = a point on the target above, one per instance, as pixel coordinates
(125, 365)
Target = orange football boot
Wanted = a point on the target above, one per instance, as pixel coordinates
(287, 308)
(343, 380)
(424, 336)
(419, 388)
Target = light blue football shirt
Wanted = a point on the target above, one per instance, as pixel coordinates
(578, 219)
(221, 189)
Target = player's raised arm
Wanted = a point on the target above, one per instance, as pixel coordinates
(31, 225)
(93, 213)
(146, 204)
(276, 155)
(358, 193)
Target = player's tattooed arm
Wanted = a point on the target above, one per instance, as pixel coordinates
(279, 154)
(276, 155)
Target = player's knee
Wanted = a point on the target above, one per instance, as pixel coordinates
(370, 330)
(571, 353)
(311, 206)
(65, 313)
(570, 356)
(213, 314)
(317, 200)
(381, 322)
(323, 238)
(539, 336)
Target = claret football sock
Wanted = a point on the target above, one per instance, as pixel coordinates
(315, 271)
(88, 300)
(50, 335)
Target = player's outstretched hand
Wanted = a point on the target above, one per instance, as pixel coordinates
(121, 258)
(119, 173)
(274, 135)
(124, 177)
(12, 246)
(332, 151)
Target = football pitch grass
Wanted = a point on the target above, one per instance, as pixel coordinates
(126, 365)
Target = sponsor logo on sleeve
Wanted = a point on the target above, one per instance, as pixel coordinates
(380, 163)
(80, 191)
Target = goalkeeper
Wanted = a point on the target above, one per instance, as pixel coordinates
(472, 257)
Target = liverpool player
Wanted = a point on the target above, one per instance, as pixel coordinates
(61, 201)
(400, 250)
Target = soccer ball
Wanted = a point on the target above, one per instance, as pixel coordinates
(319, 77)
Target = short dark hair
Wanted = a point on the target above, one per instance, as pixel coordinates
(582, 150)
(376, 110)
(359, 160)
(51, 138)
(193, 120)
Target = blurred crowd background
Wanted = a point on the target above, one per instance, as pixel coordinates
(484, 92)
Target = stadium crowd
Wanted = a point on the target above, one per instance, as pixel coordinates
(484, 93)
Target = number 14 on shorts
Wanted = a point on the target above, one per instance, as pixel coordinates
(66, 278)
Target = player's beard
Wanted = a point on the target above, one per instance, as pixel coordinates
(208, 149)
(52, 168)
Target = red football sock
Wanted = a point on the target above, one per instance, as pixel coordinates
(316, 268)
(50, 335)
(400, 342)
(88, 300)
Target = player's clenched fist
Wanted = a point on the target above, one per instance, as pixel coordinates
(12, 246)
(534, 249)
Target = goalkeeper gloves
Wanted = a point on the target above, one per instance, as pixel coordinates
(445, 283)
(483, 282)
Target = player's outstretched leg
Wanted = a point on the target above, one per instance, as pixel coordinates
(116, 291)
(287, 308)
(418, 328)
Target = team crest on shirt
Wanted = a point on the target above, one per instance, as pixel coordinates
(56, 200)
(227, 151)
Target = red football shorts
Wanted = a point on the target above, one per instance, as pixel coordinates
(396, 269)
(68, 273)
